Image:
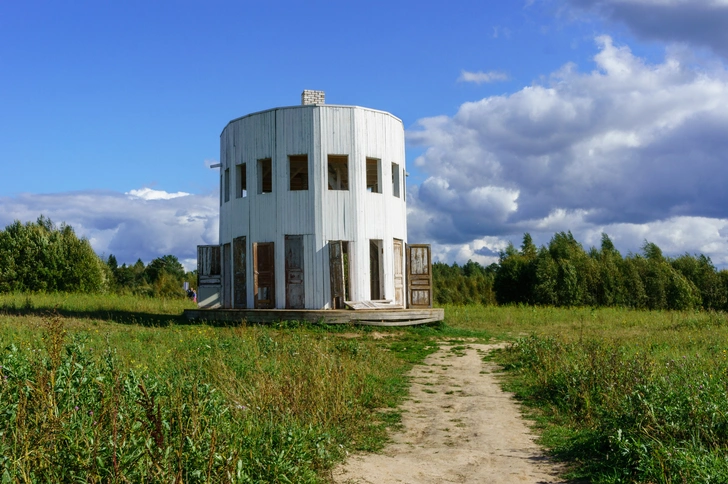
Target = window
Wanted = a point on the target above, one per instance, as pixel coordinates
(395, 179)
(338, 172)
(265, 175)
(374, 172)
(241, 182)
(298, 172)
(227, 184)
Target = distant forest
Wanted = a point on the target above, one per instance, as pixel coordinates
(41, 256)
(563, 273)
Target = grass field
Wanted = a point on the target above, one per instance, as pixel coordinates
(120, 389)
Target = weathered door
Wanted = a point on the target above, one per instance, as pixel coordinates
(419, 276)
(264, 280)
(336, 273)
(226, 279)
(239, 283)
(208, 276)
(295, 294)
(398, 273)
(208, 265)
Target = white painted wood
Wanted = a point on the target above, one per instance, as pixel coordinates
(319, 214)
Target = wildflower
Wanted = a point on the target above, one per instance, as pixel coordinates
(76, 408)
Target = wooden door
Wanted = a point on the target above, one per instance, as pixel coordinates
(226, 279)
(208, 265)
(398, 273)
(295, 294)
(419, 276)
(375, 264)
(264, 275)
(336, 273)
(240, 294)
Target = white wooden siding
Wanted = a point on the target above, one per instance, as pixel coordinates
(319, 214)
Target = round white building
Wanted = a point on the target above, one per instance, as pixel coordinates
(312, 208)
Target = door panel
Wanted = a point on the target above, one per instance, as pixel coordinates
(295, 294)
(264, 276)
(226, 279)
(336, 273)
(239, 282)
(419, 276)
(398, 273)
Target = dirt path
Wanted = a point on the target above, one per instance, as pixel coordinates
(458, 427)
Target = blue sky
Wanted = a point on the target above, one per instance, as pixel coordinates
(534, 116)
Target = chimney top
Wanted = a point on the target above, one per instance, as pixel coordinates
(312, 97)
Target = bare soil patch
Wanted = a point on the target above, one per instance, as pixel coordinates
(458, 426)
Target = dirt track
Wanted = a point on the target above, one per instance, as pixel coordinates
(458, 427)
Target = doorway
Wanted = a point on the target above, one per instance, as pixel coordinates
(264, 280)
(376, 291)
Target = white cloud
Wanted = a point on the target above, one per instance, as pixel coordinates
(151, 194)
(481, 77)
(140, 224)
(627, 146)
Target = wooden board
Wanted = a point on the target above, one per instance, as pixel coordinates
(373, 305)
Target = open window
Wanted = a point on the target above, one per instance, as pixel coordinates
(374, 175)
(338, 172)
(298, 172)
(395, 180)
(265, 175)
(241, 181)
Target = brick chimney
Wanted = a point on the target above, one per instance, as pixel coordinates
(312, 97)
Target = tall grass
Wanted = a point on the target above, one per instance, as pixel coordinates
(625, 396)
(98, 402)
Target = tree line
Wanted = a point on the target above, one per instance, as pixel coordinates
(563, 273)
(41, 256)
(44, 257)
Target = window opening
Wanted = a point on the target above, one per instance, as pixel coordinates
(298, 172)
(338, 172)
(395, 179)
(227, 184)
(241, 182)
(265, 175)
(374, 171)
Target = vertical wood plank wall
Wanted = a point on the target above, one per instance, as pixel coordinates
(317, 214)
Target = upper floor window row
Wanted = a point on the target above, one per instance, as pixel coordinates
(298, 176)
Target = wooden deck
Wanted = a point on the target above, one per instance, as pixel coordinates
(378, 317)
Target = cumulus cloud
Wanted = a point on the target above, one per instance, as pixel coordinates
(481, 77)
(140, 224)
(627, 145)
(695, 22)
(151, 194)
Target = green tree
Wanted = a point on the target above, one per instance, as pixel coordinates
(38, 256)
